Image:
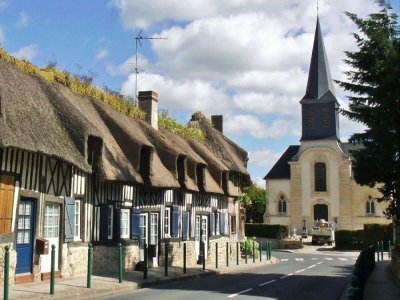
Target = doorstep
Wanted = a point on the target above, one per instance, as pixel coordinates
(24, 278)
(46, 276)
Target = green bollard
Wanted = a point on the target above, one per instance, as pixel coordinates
(120, 262)
(270, 250)
(227, 254)
(245, 255)
(254, 252)
(53, 263)
(237, 253)
(6, 271)
(90, 263)
(260, 247)
(389, 250)
(216, 255)
(381, 250)
(204, 255)
(377, 251)
(184, 258)
(166, 260)
(146, 258)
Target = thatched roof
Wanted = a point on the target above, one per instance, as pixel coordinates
(29, 121)
(47, 117)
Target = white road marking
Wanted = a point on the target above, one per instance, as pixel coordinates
(242, 292)
(268, 282)
(328, 258)
(354, 258)
(312, 266)
(290, 274)
(299, 259)
(284, 259)
(318, 263)
(302, 270)
(314, 258)
(343, 259)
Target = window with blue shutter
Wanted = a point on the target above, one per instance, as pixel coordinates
(222, 219)
(185, 226)
(175, 220)
(69, 218)
(212, 224)
(104, 223)
(135, 216)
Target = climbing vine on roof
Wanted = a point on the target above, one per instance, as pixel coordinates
(77, 85)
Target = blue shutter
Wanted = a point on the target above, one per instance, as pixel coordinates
(185, 225)
(222, 222)
(135, 220)
(69, 218)
(104, 223)
(212, 223)
(175, 220)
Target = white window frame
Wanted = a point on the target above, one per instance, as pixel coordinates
(125, 223)
(51, 222)
(110, 221)
(167, 222)
(77, 220)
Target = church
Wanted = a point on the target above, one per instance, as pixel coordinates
(314, 180)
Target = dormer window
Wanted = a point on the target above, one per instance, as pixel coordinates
(145, 162)
(94, 149)
(181, 167)
(201, 175)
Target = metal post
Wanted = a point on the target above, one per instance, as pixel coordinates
(270, 250)
(237, 253)
(227, 254)
(381, 250)
(89, 270)
(254, 252)
(184, 258)
(166, 260)
(6, 271)
(146, 258)
(120, 262)
(216, 255)
(204, 254)
(260, 246)
(245, 254)
(389, 250)
(53, 263)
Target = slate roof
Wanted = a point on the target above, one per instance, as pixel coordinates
(319, 84)
(281, 169)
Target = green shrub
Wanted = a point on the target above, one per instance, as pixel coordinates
(246, 246)
(266, 230)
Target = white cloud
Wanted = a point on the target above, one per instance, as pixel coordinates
(23, 20)
(265, 158)
(101, 54)
(128, 66)
(2, 34)
(3, 5)
(28, 52)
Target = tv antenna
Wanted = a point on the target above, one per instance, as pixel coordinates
(138, 40)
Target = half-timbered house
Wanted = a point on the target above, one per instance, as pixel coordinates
(73, 171)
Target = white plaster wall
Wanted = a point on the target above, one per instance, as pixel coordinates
(274, 189)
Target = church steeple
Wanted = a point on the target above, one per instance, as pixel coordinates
(319, 104)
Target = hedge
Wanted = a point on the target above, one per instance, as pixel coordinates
(360, 239)
(266, 230)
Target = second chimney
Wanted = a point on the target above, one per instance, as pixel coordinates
(148, 102)
(218, 123)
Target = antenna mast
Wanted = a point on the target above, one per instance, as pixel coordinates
(138, 39)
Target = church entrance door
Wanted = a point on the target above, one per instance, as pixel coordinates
(321, 212)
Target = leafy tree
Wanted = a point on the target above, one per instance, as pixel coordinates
(374, 81)
(254, 201)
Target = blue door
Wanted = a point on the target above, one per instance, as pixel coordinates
(25, 232)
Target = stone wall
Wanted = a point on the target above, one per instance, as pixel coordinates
(74, 259)
(105, 258)
(13, 262)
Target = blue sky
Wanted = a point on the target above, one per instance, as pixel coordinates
(245, 59)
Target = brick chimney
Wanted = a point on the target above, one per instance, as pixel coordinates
(218, 123)
(148, 102)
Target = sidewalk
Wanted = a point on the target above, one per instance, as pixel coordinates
(382, 284)
(102, 286)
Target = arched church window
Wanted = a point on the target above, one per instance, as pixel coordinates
(370, 206)
(282, 205)
(320, 177)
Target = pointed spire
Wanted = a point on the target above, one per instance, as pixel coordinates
(319, 77)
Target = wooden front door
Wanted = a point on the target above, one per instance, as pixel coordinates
(25, 235)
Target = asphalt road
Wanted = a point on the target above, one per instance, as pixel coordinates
(297, 276)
